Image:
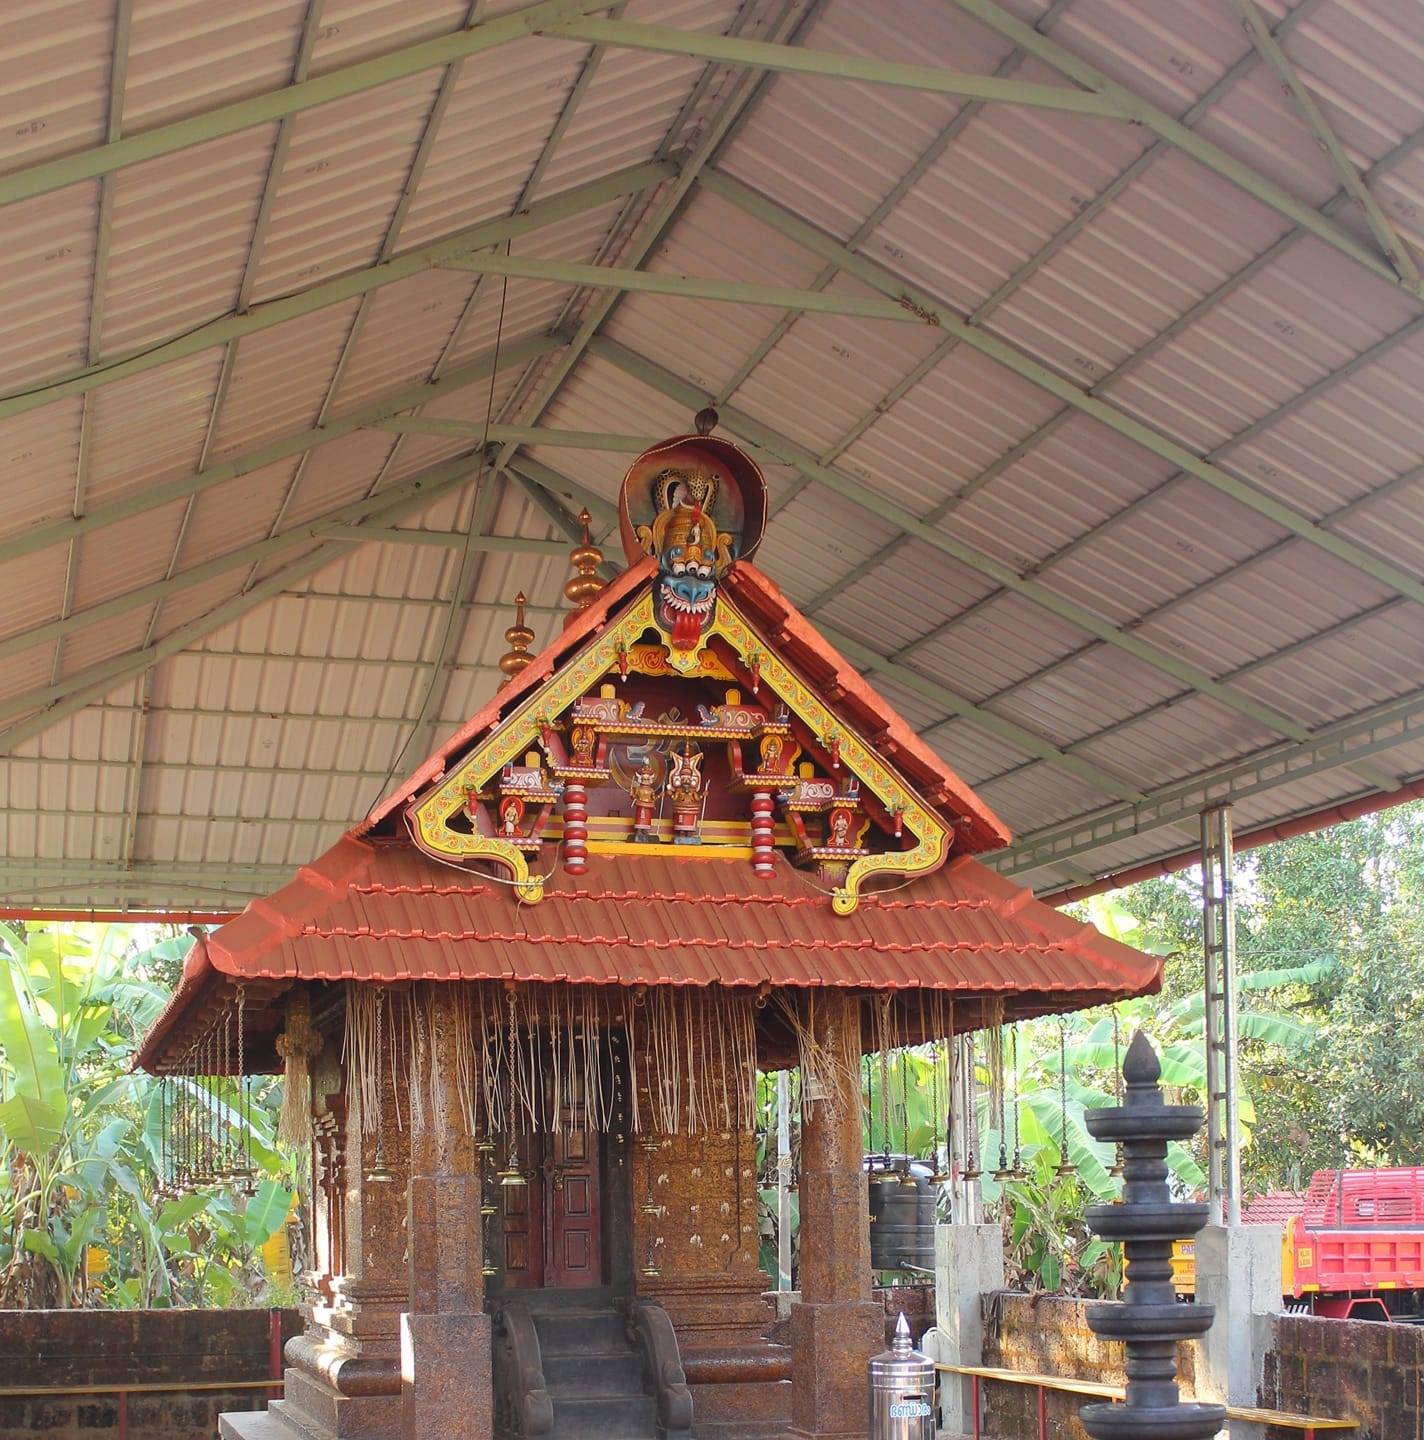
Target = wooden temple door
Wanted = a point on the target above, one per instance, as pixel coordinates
(573, 1252)
(522, 1228)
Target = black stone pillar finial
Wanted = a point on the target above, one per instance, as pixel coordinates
(1148, 1320)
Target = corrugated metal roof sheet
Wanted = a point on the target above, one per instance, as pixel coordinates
(1123, 265)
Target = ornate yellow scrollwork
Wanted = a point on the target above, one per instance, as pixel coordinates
(932, 834)
(430, 817)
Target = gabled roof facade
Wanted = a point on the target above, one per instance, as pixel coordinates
(860, 876)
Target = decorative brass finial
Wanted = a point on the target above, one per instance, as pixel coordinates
(707, 421)
(583, 586)
(519, 637)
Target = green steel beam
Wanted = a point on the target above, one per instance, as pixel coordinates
(277, 658)
(559, 515)
(428, 483)
(212, 767)
(669, 206)
(442, 539)
(1082, 218)
(1370, 732)
(256, 249)
(1138, 358)
(1396, 249)
(576, 201)
(111, 885)
(1131, 106)
(262, 109)
(1104, 781)
(936, 311)
(345, 524)
(474, 430)
(493, 607)
(963, 117)
(531, 185)
(98, 295)
(689, 287)
(152, 497)
(74, 692)
(443, 662)
(562, 488)
(766, 56)
(1371, 775)
(526, 199)
(853, 490)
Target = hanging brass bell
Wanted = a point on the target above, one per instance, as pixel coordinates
(380, 1173)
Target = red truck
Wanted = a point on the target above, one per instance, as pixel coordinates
(1353, 1245)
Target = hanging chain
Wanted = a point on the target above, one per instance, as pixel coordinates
(244, 1106)
(1018, 1169)
(1117, 1168)
(1065, 1163)
(227, 1157)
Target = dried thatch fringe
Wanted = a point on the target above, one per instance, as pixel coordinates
(528, 1056)
(827, 1075)
(298, 1044)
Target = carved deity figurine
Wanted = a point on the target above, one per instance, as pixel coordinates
(771, 748)
(511, 812)
(582, 738)
(644, 794)
(838, 833)
(684, 792)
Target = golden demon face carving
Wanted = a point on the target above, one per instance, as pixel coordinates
(692, 553)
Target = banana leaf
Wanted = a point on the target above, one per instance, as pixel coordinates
(27, 1043)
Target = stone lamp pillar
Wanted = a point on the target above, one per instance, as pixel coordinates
(1148, 1320)
(837, 1327)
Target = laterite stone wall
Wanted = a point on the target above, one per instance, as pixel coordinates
(1349, 1370)
(114, 1347)
(1048, 1335)
(1337, 1369)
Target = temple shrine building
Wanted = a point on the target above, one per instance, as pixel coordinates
(522, 1006)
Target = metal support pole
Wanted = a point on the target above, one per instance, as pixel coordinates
(969, 1206)
(783, 1182)
(1219, 980)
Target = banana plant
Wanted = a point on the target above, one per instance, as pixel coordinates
(81, 1138)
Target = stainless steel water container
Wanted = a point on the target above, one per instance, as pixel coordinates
(902, 1390)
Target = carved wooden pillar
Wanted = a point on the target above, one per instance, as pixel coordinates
(836, 1328)
(446, 1379)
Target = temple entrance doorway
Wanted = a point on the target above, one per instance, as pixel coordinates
(552, 1226)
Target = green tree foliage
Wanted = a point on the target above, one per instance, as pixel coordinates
(81, 1138)
(1342, 911)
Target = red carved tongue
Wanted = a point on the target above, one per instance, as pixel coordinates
(686, 630)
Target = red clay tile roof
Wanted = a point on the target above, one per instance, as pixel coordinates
(1275, 1207)
(789, 632)
(382, 911)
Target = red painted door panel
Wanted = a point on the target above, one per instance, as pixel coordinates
(573, 1252)
(522, 1211)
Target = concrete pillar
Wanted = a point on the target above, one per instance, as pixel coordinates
(446, 1365)
(969, 1264)
(1238, 1269)
(837, 1327)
